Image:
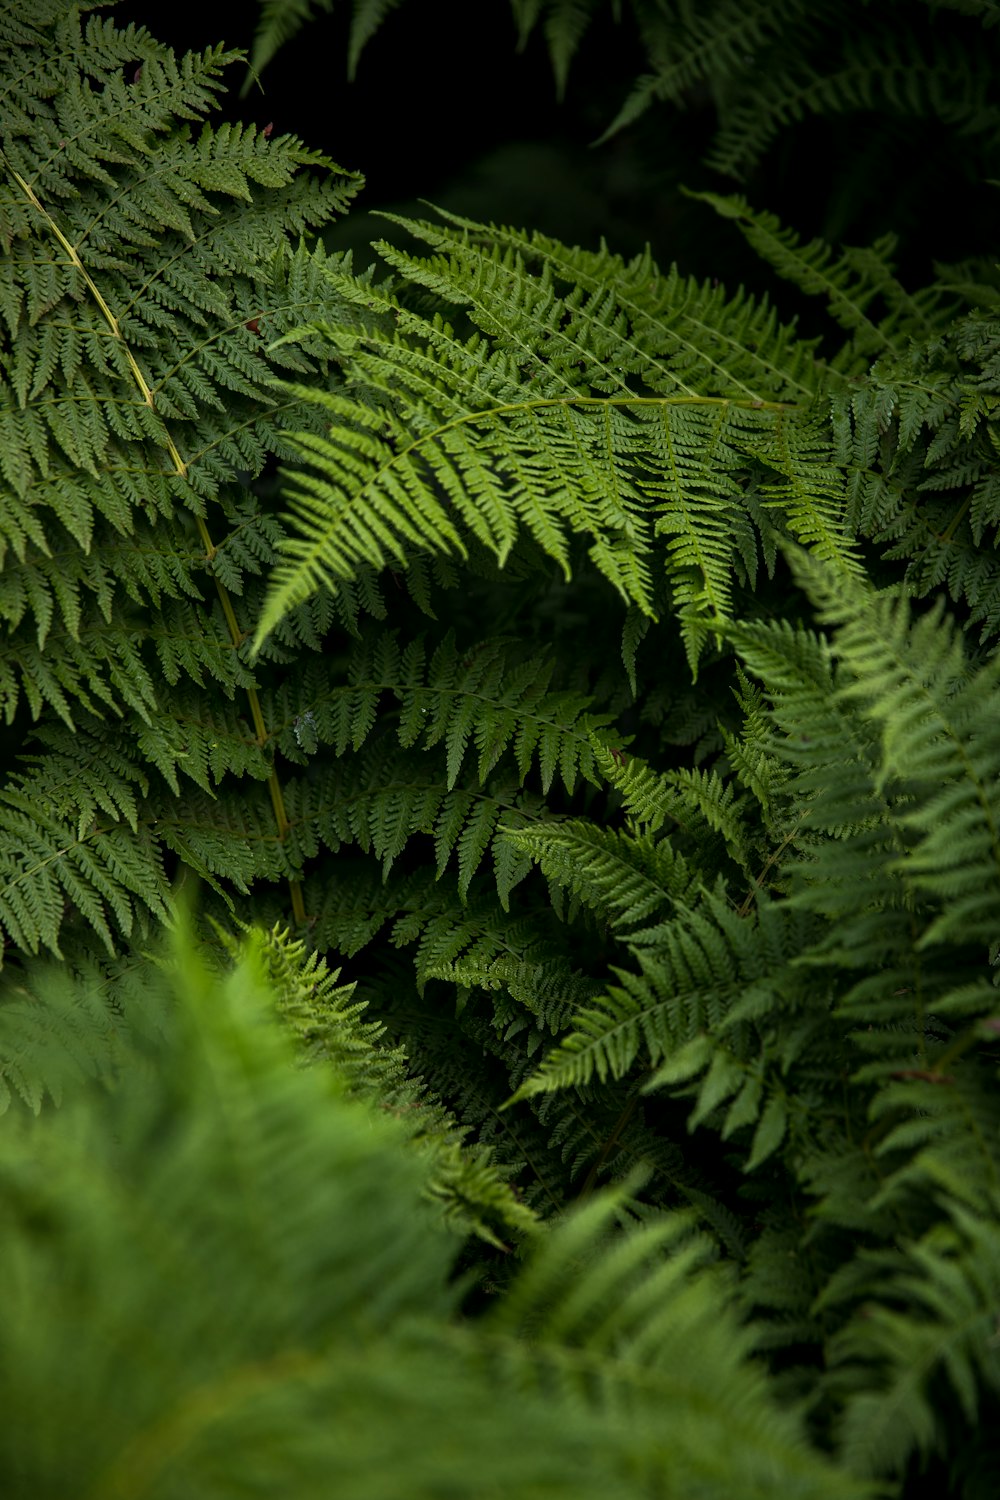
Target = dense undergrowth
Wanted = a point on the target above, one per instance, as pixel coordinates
(500, 831)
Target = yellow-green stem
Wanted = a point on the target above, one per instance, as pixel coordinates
(180, 468)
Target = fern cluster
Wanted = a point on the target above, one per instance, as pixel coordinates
(258, 1244)
(569, 748)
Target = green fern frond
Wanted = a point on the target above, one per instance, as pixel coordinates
(880, 67)
(277, 23)
(349, 913)
(713, 43)
(919, 440)
(492, 699)
(750, 753)
(565, 24)
(71, 839)
(626, 880)
(574, 310)
(695, 804)
(323, 1283)
(387, 798)
(545, 421)
(331, 1030)
(366, 18)
(936, 722)
(519, 954)
(147, 266)
(933, 1331)
(655, 1299)
(850, 282)
(57, 1032)
(135, 380)
(547, 989)
(687, 981)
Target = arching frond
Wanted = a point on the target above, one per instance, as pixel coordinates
(595, 398)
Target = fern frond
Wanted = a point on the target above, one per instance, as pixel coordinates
(850, 282)
(544, 422)
(135, 380)
(366, 19)
(387, 798)
(937, 729)
(696, 804)
(626, 880)
(147, 263)
(686, 982)
(574, 310)
(305, 1276)
(932, 1332)
(492, 699)
(713, 44)
(277, 23)
(565, 25)
(331, 1030)
(919, 438)
(653, 1297)
(63, 845)
(220, 1064)
(750, 753)
(55, 1035)
(875, 68)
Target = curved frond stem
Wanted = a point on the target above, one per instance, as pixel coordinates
(277, 798)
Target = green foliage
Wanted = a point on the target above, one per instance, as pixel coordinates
(595, 399)
(855, 1002)
(541, 661)
(251, 1281)
(147, 260)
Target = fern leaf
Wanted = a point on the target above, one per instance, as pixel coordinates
(942, 1325)
(278, 22)
(625, 880)
(648, 1289)
(935, 721)
(332, 1031)
(49, 1047)
(697, 803)
(491, 698)
(849, 283)
(687, 980)
(683, 49)
(542, 422)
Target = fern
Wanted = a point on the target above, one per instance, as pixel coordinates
(141, 258)
(918, 437)
(632, 1303)
(712, 44)
(626, 880)
(935, 1332)
(536, 911)
(876, 69)
(279, 22)
(61, 1028)
(849, 282)
(451, 430)
(331, 1031)
(321, 1287)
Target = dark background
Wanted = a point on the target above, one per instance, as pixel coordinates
(441, 112)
